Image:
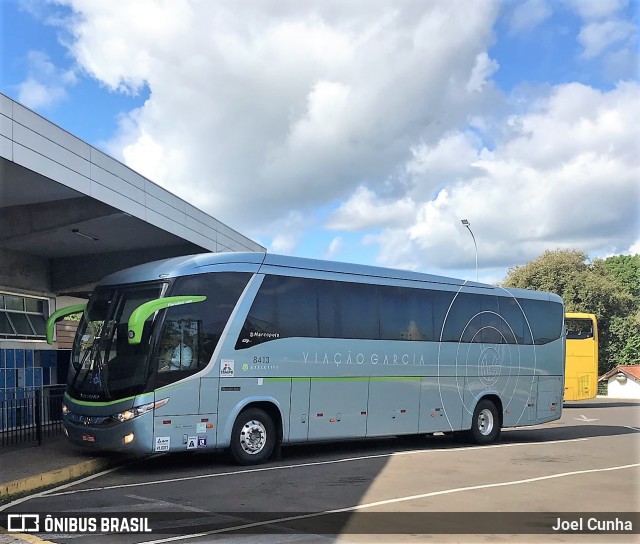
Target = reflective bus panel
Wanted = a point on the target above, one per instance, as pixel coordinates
(251, 350)
(581, 371)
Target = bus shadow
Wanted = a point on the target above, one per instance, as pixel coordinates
(299, 454)
(180, 463)
(373, 447)
(336, 485)
(564, 433)
(318, 452)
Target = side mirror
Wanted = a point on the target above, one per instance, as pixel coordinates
(58, 315)
(142, 312)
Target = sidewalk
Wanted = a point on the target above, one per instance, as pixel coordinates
(28, 468)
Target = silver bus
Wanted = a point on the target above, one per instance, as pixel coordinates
(248, 351)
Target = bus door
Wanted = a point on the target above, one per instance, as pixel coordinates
(299, 413)
(549, 398)
(338, 407)
(394, 405)
(440, 406)
(178, 424)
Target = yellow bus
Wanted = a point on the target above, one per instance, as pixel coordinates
(581, 367)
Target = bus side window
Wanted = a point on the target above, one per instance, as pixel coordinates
(463, 323)
(579, 329)
(222, 289)
(545, 319)
(178, 346)
(357, 315)
(513, 325)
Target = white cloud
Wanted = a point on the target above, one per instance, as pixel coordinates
(283, 234)
(606, 34)
(335, 246)
(267, 114)
(598, 36)
(36, 95)
(285, 243)
(271, 107)
(364, 210)
(596, 9)
(483, 69)
(622, 64)
(45, 84)
(567, 176)
(528, 15)
(450, 160)
(575, 120)
(122, 44)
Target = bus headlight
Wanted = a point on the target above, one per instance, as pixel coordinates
(138, 411)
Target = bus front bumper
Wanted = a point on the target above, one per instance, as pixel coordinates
(135, 436)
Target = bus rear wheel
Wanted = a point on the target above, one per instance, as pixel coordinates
(253, 437)
(485, 424)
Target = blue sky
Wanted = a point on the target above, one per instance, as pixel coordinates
(28, 28)
(361, 132)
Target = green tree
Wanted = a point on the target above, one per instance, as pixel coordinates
(625, 331)
(624, 345)
(591, 287)
(553, 271)
(626, 270)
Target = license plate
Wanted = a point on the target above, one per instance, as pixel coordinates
(88, 437)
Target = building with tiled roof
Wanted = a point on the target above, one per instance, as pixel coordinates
(623, 382)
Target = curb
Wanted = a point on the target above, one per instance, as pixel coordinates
(48, 479)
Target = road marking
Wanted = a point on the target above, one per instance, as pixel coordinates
(584, 418)
(63, 486)
(388, 501)
(54, 492)
(145, 504)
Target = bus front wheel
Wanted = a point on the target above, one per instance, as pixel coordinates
(253, 437)
(485, 424)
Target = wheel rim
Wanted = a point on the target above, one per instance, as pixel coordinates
(253, 437)
(485, 422)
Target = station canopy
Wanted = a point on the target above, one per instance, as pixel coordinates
(70, 214)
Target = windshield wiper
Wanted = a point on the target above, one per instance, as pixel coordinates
(96, 364)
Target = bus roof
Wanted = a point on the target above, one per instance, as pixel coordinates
(580, 315)
(269, 263)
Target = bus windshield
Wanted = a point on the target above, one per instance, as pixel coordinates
(104, 366)
(577, 329)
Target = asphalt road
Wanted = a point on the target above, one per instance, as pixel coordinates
(422, 489)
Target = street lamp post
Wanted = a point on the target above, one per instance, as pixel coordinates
(466, 223)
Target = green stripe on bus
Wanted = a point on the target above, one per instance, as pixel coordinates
(348, 378)
(62, 312)
(399, 378)
(97, 403)
(172, 385)
(142, 312)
